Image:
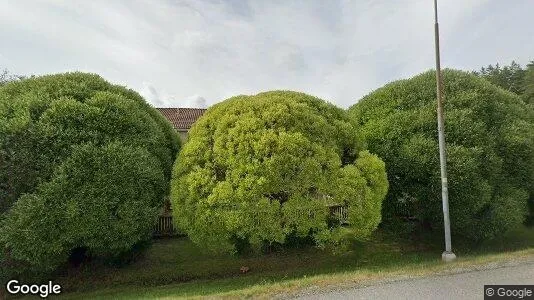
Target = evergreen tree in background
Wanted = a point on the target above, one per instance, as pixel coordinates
(528, 84)
(509, 77)
(512, 78)
(6, 76)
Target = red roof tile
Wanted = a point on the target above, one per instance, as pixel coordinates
(181, 118)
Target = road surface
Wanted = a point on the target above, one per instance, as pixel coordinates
(468, 285)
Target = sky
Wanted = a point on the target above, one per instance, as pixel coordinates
(194, 53)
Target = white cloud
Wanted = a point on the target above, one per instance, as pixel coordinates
(164, 99)
(150, 93)
(196, 101)
(339, 50)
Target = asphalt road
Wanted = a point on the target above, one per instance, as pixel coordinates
(456, 286)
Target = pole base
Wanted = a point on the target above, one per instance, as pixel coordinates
(447, 256)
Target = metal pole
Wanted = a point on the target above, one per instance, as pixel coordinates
(447, 255)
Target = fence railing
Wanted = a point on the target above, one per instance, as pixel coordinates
(340, 212)
(165, 226)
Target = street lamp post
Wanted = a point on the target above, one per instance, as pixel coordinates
(447, 255)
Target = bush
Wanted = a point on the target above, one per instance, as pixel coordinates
(259, 169)
(83, 165)
(490, 144)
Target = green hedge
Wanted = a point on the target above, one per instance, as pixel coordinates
(258, 169)
(490, 143)
(85, 164)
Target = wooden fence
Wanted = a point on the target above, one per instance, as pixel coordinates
(165, 226)
(340, 212)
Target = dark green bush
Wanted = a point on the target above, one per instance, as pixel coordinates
(83, 164)
(259, 169)
(102, 198)
(490, 144)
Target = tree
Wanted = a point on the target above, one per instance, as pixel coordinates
(101, 199)
(509, 77)
(6, 77)
(528, 84)
(490, 142)
(83, 164)
(258, 169)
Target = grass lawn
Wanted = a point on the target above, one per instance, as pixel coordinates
(177, 268)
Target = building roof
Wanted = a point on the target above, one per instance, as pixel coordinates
(181, 118)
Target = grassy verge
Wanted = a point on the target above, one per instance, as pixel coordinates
(177, 268)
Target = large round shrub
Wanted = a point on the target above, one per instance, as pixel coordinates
(83, 164)
(257, 169)
(490, 143)
(101, 198)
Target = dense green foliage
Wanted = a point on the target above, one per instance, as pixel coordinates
(512, 78)
(83, 164)
(490, 144)
(258, 169)
(509, 77)
(102, 198)
(528, 84)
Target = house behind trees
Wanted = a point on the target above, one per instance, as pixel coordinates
(182, 118)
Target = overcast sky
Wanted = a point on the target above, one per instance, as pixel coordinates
(199, 52)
